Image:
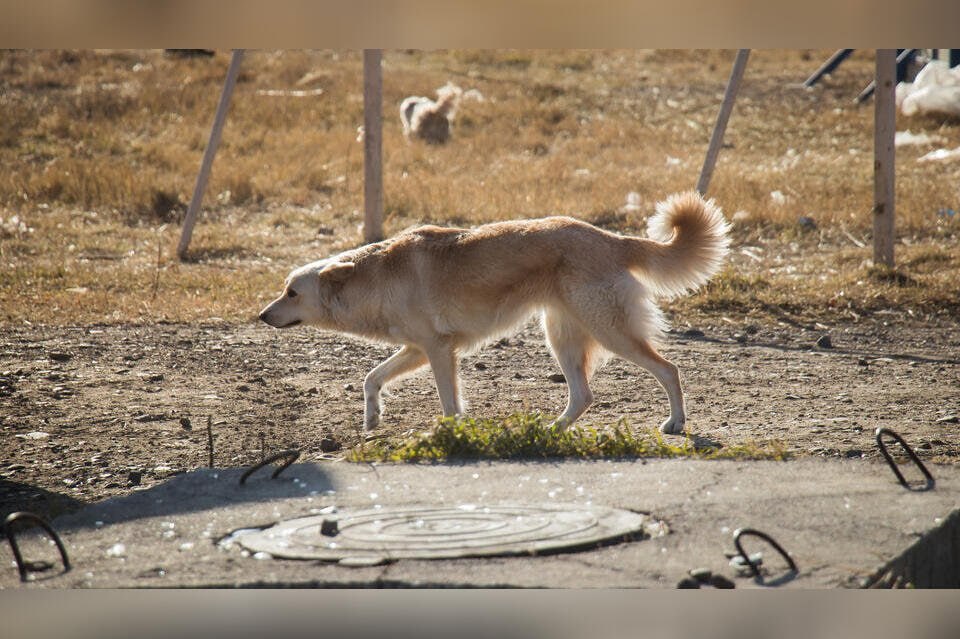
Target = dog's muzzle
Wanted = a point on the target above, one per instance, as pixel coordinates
(265, 317)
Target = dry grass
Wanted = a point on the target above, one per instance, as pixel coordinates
(101, 150)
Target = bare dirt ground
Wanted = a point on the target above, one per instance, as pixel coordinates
(97, 411)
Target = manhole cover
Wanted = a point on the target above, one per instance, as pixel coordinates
(359, 536)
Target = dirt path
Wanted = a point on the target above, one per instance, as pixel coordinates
(91, 412)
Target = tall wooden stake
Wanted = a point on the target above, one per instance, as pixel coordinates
(716, 140)
(221, 116)
(372, 146)
(884, 129)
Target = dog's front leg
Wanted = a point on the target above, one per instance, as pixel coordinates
(443, 361)
(405, 360)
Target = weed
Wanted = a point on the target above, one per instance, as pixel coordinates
(529, 436)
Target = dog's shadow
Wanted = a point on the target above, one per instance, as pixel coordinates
(701, 443)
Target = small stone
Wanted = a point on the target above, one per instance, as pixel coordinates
(37, 434)
(949, 419)
(480, 366)
(362, 562)
(740, 337)
(701, 574)
(853, 453)
(693, 332)
(62, 392)
(737, 560)
(806, 222)
(149, 417)
(348, 387)
(60, 357)
(557, 378)
(243, 388)
(329, 445)
(134, 477)
(688, 583)
(824, 342)
(185, 423)
(329, 528)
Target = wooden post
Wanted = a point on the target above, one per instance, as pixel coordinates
(884, 128)
(716, 140)
(372, 146)
(219, 119)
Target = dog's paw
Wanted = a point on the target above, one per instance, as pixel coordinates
(370, 422)
(672, 426)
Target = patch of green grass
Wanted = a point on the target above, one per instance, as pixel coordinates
(529, 436)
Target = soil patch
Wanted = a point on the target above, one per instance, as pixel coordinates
(96, 411)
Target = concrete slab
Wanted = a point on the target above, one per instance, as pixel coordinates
(842, 521)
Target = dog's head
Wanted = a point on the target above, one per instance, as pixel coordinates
(307, 294)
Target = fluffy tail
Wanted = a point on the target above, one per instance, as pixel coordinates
(688, 241)
(448, 97)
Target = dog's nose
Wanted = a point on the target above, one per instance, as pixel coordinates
(263, 316)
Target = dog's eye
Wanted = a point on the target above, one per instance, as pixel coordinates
(291, 293)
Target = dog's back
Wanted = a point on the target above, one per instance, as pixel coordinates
(477, 284)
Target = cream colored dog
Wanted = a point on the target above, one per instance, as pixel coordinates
(442, 292)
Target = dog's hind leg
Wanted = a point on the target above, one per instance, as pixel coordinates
(575, 351)
(406, 360)
(443, 361)
(622, 319)
(641, 352)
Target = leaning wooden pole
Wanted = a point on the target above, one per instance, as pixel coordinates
(372, 146)
(716, 140)
(884, 175)
(218, 121)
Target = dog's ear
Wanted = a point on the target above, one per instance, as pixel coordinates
(337, 271)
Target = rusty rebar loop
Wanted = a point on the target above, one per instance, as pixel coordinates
(37, 520)
(741, 532)
(289, 455)
(912, 455)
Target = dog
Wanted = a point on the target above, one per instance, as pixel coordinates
(430, 120)
(440, 293)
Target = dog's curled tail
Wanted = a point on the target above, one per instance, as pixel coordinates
(689, 238)
(448, 98)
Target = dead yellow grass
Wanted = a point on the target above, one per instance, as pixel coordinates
(101, 150)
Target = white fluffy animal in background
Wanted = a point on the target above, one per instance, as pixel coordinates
(431, 120)
(936, 89)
